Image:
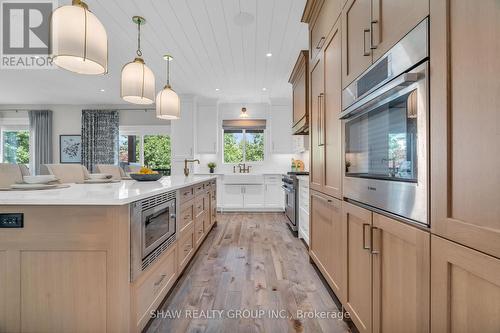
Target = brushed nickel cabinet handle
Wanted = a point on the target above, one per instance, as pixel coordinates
(163, 276)
(375, 236)
(364, 237)
(372, 45)
(365, 53)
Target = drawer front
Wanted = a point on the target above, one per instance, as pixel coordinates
(199, 206)
(186, 194)
(187, 215)
(199, 228)
(206, 222)
(273, 179)
(185, 247)
(198, 189)
(150, 292)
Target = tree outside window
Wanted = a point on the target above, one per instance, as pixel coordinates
(243, 146)
(16, 146)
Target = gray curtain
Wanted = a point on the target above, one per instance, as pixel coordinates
(41, 138)
(100, 130)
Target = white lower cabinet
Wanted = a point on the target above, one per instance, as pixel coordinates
(262, 196)
(233, 196)
(253, 196)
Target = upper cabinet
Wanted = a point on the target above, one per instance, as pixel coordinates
(281, 129)
(371, 28)
(465, 122)
(206, 134)
(300, 87)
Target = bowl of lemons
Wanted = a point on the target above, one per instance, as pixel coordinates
(145, 175)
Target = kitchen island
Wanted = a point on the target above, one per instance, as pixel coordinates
(69, 264)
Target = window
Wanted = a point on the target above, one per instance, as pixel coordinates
(149, 147)
(15, 145)
(241, 145)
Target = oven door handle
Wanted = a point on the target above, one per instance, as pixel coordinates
(381, 96)
(286, 189)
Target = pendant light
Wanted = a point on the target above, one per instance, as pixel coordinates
(79, 42)
(167, 100)
(138, 81)
(243, 113)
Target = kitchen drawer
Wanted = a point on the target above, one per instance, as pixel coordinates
(186, 217)
(152, 287)
(186, 194)
(273, 179)
(199, 228)
(198, 189)
(199, 205)
(185, 247)
(329, 12)
(206, 222)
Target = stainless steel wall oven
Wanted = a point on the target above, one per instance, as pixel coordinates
(386, 131)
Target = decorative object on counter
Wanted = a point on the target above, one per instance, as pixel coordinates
(138, 81)
(167, 101)
(41, 138)
(243, 113)
(297, 165)
(145, 175)
(79, 42)
(70, 148)
(211, 166)
(347, 166)
(99, 137)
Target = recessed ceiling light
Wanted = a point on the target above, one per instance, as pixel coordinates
(217, 89)
(264, 89)
(269, 55)
(102, 90)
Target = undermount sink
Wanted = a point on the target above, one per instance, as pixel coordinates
(243, 178)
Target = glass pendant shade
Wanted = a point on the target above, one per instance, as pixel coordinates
(79, 40)
(138, 83)
(168, 104)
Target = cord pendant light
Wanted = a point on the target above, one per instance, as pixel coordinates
(138, 81)
(79, 42)
(167, 100)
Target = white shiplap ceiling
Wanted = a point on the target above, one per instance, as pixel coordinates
(210, 51)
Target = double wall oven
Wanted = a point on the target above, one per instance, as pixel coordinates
(152, 230)
(386, 131)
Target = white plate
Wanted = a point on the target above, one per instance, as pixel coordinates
(99, 176)
(31, 186)
(40, 179)
(100, 181)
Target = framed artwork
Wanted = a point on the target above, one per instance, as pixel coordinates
(70, 148)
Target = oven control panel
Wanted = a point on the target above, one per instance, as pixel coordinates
(11, 220)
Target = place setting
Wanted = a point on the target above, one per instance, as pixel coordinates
(39, 182)
(100, 178)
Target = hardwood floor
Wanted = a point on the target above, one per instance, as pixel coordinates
(249, 262)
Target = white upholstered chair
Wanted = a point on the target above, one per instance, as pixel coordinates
(67, 173)
(10, 174)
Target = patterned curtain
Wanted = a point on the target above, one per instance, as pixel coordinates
(41, 139)
(100, 130)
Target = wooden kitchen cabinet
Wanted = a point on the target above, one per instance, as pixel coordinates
(356, 53)
(401, 277)
(326, 238)
(392, 19)
(464, 45)
(300, 93)
(465, 289)
(316, 172)
(357, 265)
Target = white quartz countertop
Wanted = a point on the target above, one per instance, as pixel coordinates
(121, 193)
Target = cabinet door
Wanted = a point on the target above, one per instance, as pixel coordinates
(300, 93)
(326, 238)
(357, 265)
(281, 129)
(207, 124)
(464, 146)
(233, 196)
(328, 14)
(316, 151)
(401, 277)
(274, 197)
(356, 53)
(332, 58)
(392, 19)
(465, 289)
(253, 196)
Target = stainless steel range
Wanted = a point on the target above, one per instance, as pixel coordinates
(386, 131)
(290, 186)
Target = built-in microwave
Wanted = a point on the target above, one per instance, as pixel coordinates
(152, 229)
(386, 131)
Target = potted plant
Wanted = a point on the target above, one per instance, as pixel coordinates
(211, 166)
(347, 166)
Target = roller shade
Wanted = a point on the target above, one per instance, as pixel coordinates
(241, 124)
